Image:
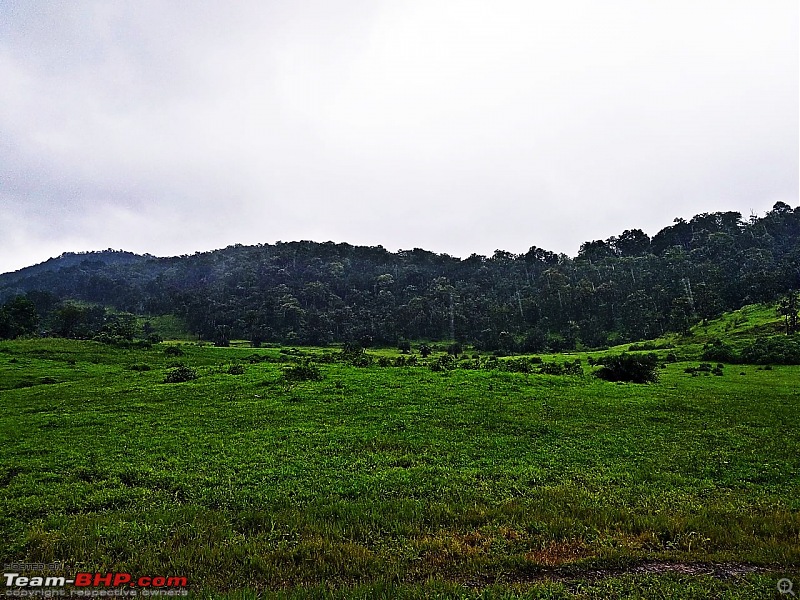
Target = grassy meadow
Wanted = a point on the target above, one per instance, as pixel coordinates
(400, 482)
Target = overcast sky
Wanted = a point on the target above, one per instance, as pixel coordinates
(458, 126)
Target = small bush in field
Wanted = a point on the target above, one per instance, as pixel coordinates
(180, 374)
(302, 371)
(236, 369)
(634, 368)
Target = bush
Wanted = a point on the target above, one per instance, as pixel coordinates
(236, 370)
(302, 371)
(445, 362)
(701, 368)
(139, 367)
(455, 349)
(355, 355)
(634, 368)
(180, 374)
(517, 365)
(719, 351)
(782, 350)
(173, 351)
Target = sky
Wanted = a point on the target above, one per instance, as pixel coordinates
(458, 126)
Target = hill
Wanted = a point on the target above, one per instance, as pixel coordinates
(625, 288)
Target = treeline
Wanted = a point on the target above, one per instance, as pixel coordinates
(41, 313)
(628, 287)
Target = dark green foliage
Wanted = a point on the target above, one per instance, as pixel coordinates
(355, 355)
(424, 350)
(18, 317)
(404, 346)
(445, 362)
(719, 351)
(173, 351)
(140, 367)
(260, 358)
(305, 370)
(705, 368)
(237, 369)
(625, 288)
(75, 321)
(778, 350)
(455, 349)
(634, 368)
(221, 336)
(517, 365)
(788, 308)
(179, 374)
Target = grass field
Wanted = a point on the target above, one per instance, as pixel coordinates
(398, 482)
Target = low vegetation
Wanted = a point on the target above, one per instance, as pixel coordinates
(285, 472)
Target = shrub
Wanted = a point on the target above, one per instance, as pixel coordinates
(173, 351)
(302, 371)
(404, 346)
(236, 369)
(139, 367)
(259, 358)
(634, 368)
(179, 374)
(550, 369)
(517, 365)
(572, 368)
(781, 350)
(425, 350)
(384, 361)
(445, 362)
(719, 351)
(355, 355)
(701, 368)
(455, 349)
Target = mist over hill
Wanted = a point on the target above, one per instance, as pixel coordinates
(627, 287)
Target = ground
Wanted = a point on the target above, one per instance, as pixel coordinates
(399, 481)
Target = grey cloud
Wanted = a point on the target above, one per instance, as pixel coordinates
(170, 127)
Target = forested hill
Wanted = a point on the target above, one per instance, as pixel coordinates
(628, 287)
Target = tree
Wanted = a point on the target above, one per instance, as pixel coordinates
(18, 317)
(788, 308)
(680, 318)
(631, 242)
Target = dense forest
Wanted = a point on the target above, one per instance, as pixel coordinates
(627, 287)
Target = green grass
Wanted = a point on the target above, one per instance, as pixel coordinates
(396, 482)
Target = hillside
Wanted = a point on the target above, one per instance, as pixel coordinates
(625, 288)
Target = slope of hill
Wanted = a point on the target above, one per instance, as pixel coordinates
(628, 287)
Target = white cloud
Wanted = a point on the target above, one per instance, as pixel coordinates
(455, 126)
